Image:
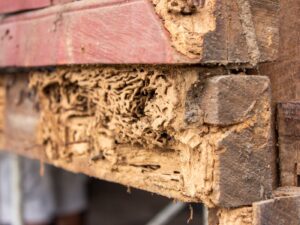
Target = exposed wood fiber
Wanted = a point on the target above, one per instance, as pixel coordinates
(187, 21)
(239, 216)
(157, 124)
(249, 31)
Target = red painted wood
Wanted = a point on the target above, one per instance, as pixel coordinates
(107, 31)
(54, 2)
(8, 6)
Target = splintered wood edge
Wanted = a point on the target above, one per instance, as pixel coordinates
(236, 216)
(201, 167)
(160, 33)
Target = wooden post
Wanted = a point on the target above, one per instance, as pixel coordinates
(284, 71)
(288, 120)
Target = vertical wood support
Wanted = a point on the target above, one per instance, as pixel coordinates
(288, 117)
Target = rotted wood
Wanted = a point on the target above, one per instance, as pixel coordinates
(142, 31)
(288, 120)
(234, 216)
(282, 209)
(125, 123)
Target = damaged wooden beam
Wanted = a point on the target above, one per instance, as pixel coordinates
(233, 216)
(288, 124)
(143, 32)
(181, 132)
(282, 209)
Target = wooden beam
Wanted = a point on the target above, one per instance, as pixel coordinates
(166, 130)
(282, 209)
(139, 31)
(288, 123)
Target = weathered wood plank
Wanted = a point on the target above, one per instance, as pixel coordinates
(282, 209)
(128, 32)
(9, 6)
(277, 211)
(13, 6)
(288, 122)
(124, 124)
(139, 31)
(284, 72)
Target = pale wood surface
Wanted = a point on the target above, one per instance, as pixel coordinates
(187, 158)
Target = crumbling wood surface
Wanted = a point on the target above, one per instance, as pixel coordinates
(284, 72)
(142, 31)
(288, 122)
(235, 216)
(180, 132)
(282, 209)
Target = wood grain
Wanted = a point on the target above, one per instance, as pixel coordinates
(277, 211)
(282, 209)
(128, 32)
(10, 6)
(133, 146)
(17, 6)
(284, 72)
(139, 31)
(234, 216)
(288, 123)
